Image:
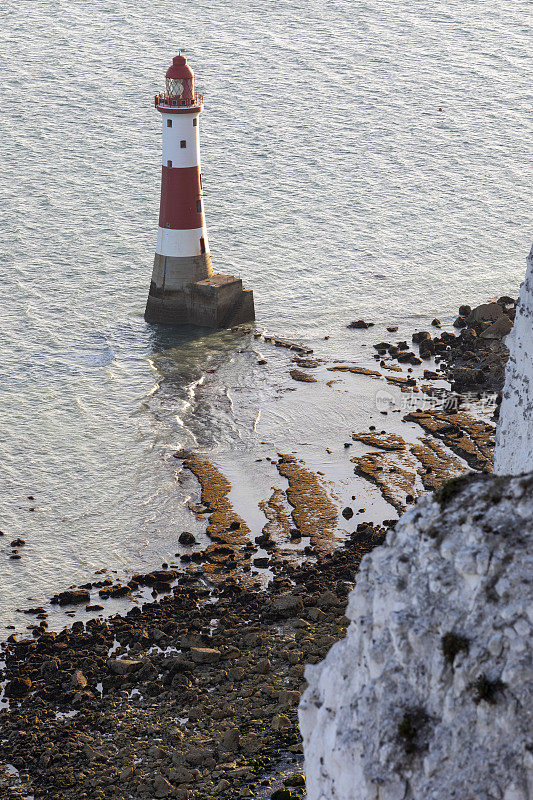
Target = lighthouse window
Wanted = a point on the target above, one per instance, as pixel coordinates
(199, 206)
(183, 143)
(194, 122)
(169, 123)
(169, 163)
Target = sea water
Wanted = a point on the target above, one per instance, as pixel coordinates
(334, 186)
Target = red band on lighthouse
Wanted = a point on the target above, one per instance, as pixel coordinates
(181, 199)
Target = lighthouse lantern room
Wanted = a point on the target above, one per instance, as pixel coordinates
(184, 289)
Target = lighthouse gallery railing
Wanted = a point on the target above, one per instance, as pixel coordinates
(178, 102)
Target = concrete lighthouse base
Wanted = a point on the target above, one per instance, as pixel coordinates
(218, 301)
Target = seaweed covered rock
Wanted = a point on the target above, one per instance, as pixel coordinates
(428, 696)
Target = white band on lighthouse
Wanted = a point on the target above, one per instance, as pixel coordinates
(182, 243)
(181, 140)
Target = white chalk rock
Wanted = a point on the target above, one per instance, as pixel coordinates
(514, 438)
(389, 714)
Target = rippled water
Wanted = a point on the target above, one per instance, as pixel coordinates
(334, 187)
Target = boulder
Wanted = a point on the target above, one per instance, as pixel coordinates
(281, 722)
(327, 599)
(123, 666)
(230, 740)
(361, 324)
(78, 680)
(409, 358)
(295, 780)
(486, 312)
(427, 348)
(261, 563)
(287, 605)
(205, 655)
(186, 539)
(71, 597)
(18, 687)
(447, 337)
(263, 666)
(499, 329)
(162, 788)
(116, 591)
(420, 336)
(465, 378)
(304, 377)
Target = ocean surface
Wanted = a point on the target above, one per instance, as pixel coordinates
(334, 186)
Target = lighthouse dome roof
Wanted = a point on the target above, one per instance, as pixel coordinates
(179, 68)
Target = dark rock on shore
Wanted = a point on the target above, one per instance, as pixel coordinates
(420, 336)
(476, 358)
(506, 301)
(408, 358)
(18, 687)
(360, 324)
(71, 597)
(186, 539)
(115, 591)
(298, 375)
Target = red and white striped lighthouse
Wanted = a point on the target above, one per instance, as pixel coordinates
(184, 289)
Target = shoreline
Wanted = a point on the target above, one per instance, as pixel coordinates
(239, 622)
(150, 674)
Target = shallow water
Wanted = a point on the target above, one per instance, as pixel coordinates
(334, 187)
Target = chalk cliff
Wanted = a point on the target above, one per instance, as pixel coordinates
(514, 438)
(429, 695)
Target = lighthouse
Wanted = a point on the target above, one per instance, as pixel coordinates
(184, 289)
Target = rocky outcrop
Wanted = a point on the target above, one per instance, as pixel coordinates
(428, 696)
(514, 440)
